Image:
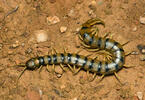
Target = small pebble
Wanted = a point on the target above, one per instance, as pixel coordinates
(143, 51)
(140, 95)
(78, 29)
(23, 44)
(92, 4)
(134, 29)
(16, 44)
(142, 57)
(134, 53)
(40, 93)
(41, 35)
(52, 20)
(71, 13)
(90, 12)
(63, 29)
(142, 20)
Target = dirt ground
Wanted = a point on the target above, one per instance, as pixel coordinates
(19, 21)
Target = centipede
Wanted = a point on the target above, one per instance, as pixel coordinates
(90, 41)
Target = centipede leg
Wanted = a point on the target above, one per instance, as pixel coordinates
(94, 76)
(127, 54)
(118, 78)
(86, 46)
(47, 67)
(125, 43)
(93, 50)
(93, 22)
(70, 67)
(100, 79)
(62, 67)
(40, 69)
(76, 70)
(106, 35)
(125, 66)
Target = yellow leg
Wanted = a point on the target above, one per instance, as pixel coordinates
(117, 77)
(40, 68)
(78, 51)
(93, 50)
(47, 67)
(54, 50)
(76, 70)
(100, 79)
(53, 68)
(125, 66)
(86, 46)
(127, 54)
(106, 35)
(125, 43)
(62, 67)
(94, 76)
(70, 67)
(92, 22)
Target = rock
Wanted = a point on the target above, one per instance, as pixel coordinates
(92, 5)
(134, 29)
(63, 29)
(16, 44)
(71, 13)
(52, 20)
(142, 20)
(41, 36)
(140, 95)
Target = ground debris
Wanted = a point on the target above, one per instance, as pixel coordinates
(52, 20)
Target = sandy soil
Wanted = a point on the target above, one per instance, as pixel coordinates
(20, 19)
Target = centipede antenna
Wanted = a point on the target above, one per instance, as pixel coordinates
(117, 77)
(21, 73)
(126, 43)
(130, 53)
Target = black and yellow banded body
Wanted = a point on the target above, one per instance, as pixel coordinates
(110, 45)
(75, 59)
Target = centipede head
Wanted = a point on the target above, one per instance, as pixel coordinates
(30, 65)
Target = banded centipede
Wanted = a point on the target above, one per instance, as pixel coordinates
(90, 41)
